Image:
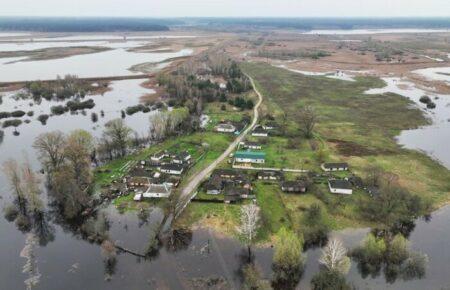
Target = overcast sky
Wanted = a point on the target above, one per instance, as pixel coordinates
(180, 8)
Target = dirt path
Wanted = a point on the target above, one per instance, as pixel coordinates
(189, 189)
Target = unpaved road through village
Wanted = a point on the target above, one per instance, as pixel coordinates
(194, 182)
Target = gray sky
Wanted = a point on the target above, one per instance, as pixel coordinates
(180, 8)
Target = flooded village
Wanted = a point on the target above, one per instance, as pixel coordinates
(227, 159)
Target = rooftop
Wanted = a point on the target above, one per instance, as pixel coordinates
(340, 183)
(335, 165)
(250, 154)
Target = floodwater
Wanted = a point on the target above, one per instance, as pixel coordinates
(432, 139)
(339, 74)
(103, 64)
(373, 31)
(435, 73)
(67, 261)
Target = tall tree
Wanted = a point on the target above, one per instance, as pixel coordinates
(50, 147)
(307, 120)
(78, 148)
(334, 257)
(119, 133)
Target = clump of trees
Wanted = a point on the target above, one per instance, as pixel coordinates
(393, 255)
(12, 123)
(242, 103)
(131, 110)
(66, 159)
(43, 118)
(63, 88)
(115, 141)
(288, 260)
(169, 123)
(291, 54)
(393, 206)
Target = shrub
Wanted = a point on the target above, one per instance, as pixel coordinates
(30, 113)
(77, 105)
(4, 115)
(12, 123)
(58, 110)
(18, 114)
(10, 212)
(43, 118)
(329, 280)
(94, 117)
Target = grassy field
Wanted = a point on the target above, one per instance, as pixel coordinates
(353, 127)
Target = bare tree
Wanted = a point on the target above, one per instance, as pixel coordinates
(12, 172)
(334, 257)
(249, 224)
(158, 125)
(307, 121)
(50, 147)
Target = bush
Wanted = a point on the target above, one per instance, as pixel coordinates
(134, 109)
(30, 113)
(76, 105)
(18, 114)
(58, 110)
(43, 118)
(12, 123)
(23, 223)
(4, 115)
(317, 226)
(10, 212)
(425, 99)
(329, 280)
(94, 117)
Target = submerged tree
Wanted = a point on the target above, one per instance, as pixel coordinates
(288, 260)
(248, 227)
(119, 135)
(109, 253)
(50, 148)
(334, 257)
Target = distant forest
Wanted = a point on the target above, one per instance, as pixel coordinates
(323, 23)
(60, 24)
(90, 24)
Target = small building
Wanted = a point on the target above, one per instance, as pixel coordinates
(225, 128)
(159, 156)
(340, 166)
(181, 158)
(176, 169)
(293, 186)
(259, 132)
(250, 157)
(158, 191)
(340, 186)
(138, 181)
(251, 145)
(269, 175)
(270, 126)
(214, 185)
(234, 194)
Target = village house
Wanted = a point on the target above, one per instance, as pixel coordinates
(250, 145)
(296, 186)
(232, 176)
(270, 126)
(176, 169)
(214, 185)
(269, 175)
(159, 156)
(249, 157)
(340, 186)
(340, 166)
(225, 128)
(181, 158)
(154, 191)
(234, 194)
(259, 131)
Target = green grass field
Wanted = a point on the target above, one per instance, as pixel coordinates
(353, 127)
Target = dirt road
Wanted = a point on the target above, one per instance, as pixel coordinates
(189, 189)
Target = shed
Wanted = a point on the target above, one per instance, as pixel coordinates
(340, 186)
(339, 166)
(293, 186)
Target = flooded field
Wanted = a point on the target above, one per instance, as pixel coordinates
(432, 139)
(372, 31)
